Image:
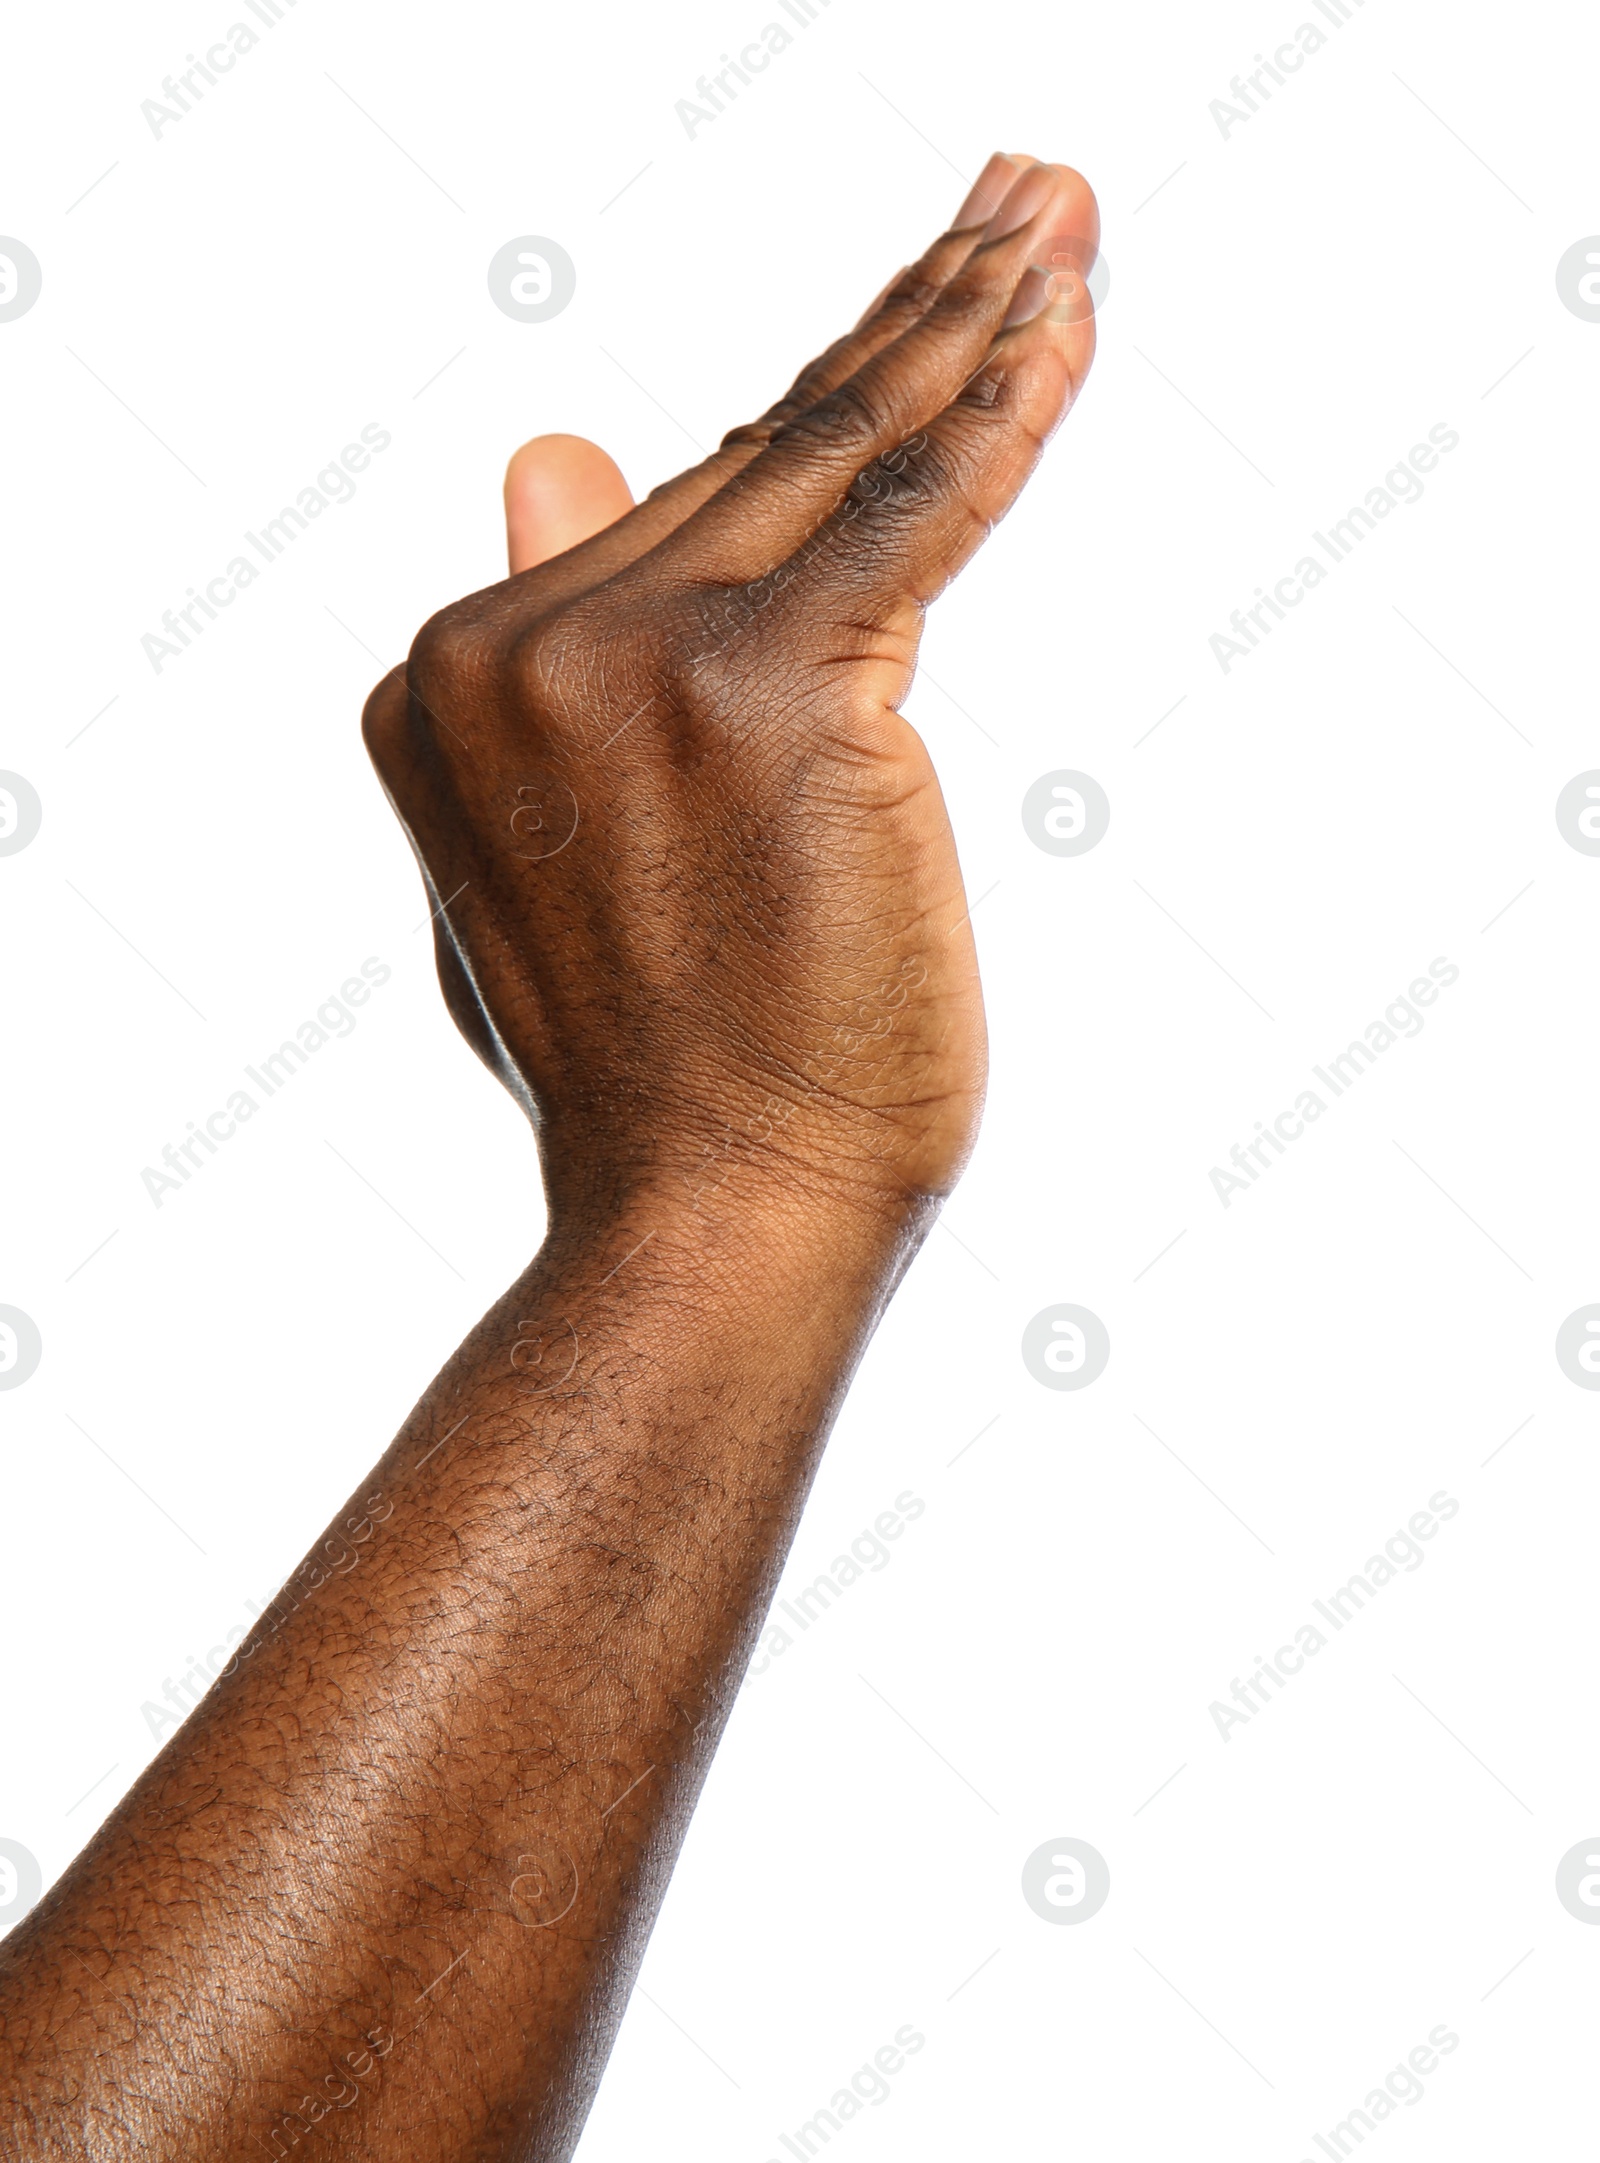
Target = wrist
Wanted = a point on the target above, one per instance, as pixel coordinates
(752, 1296)
(714, 1224)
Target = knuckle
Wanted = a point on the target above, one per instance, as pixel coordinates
(532, 662)
(814, 381)
(905, 479)
(448, 655)
(968, 303)
(729, 645)
(591, 656)
(838, 425)
(690, 663)
(754, 435)
(612, 654)
(914, 294)
(383, 719)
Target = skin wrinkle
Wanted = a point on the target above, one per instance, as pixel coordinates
(741, 1004)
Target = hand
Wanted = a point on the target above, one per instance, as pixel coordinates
(697, 897)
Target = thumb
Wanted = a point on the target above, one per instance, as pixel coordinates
(559, 490)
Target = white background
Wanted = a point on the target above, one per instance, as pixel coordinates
(1291, 308)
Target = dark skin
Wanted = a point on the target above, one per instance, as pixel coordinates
(385, 1893)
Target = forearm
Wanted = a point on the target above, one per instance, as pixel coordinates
(387, 1889)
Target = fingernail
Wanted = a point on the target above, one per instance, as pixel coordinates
(1031, 297)
(988, 191)
(1057, 284)
(1025, 201)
